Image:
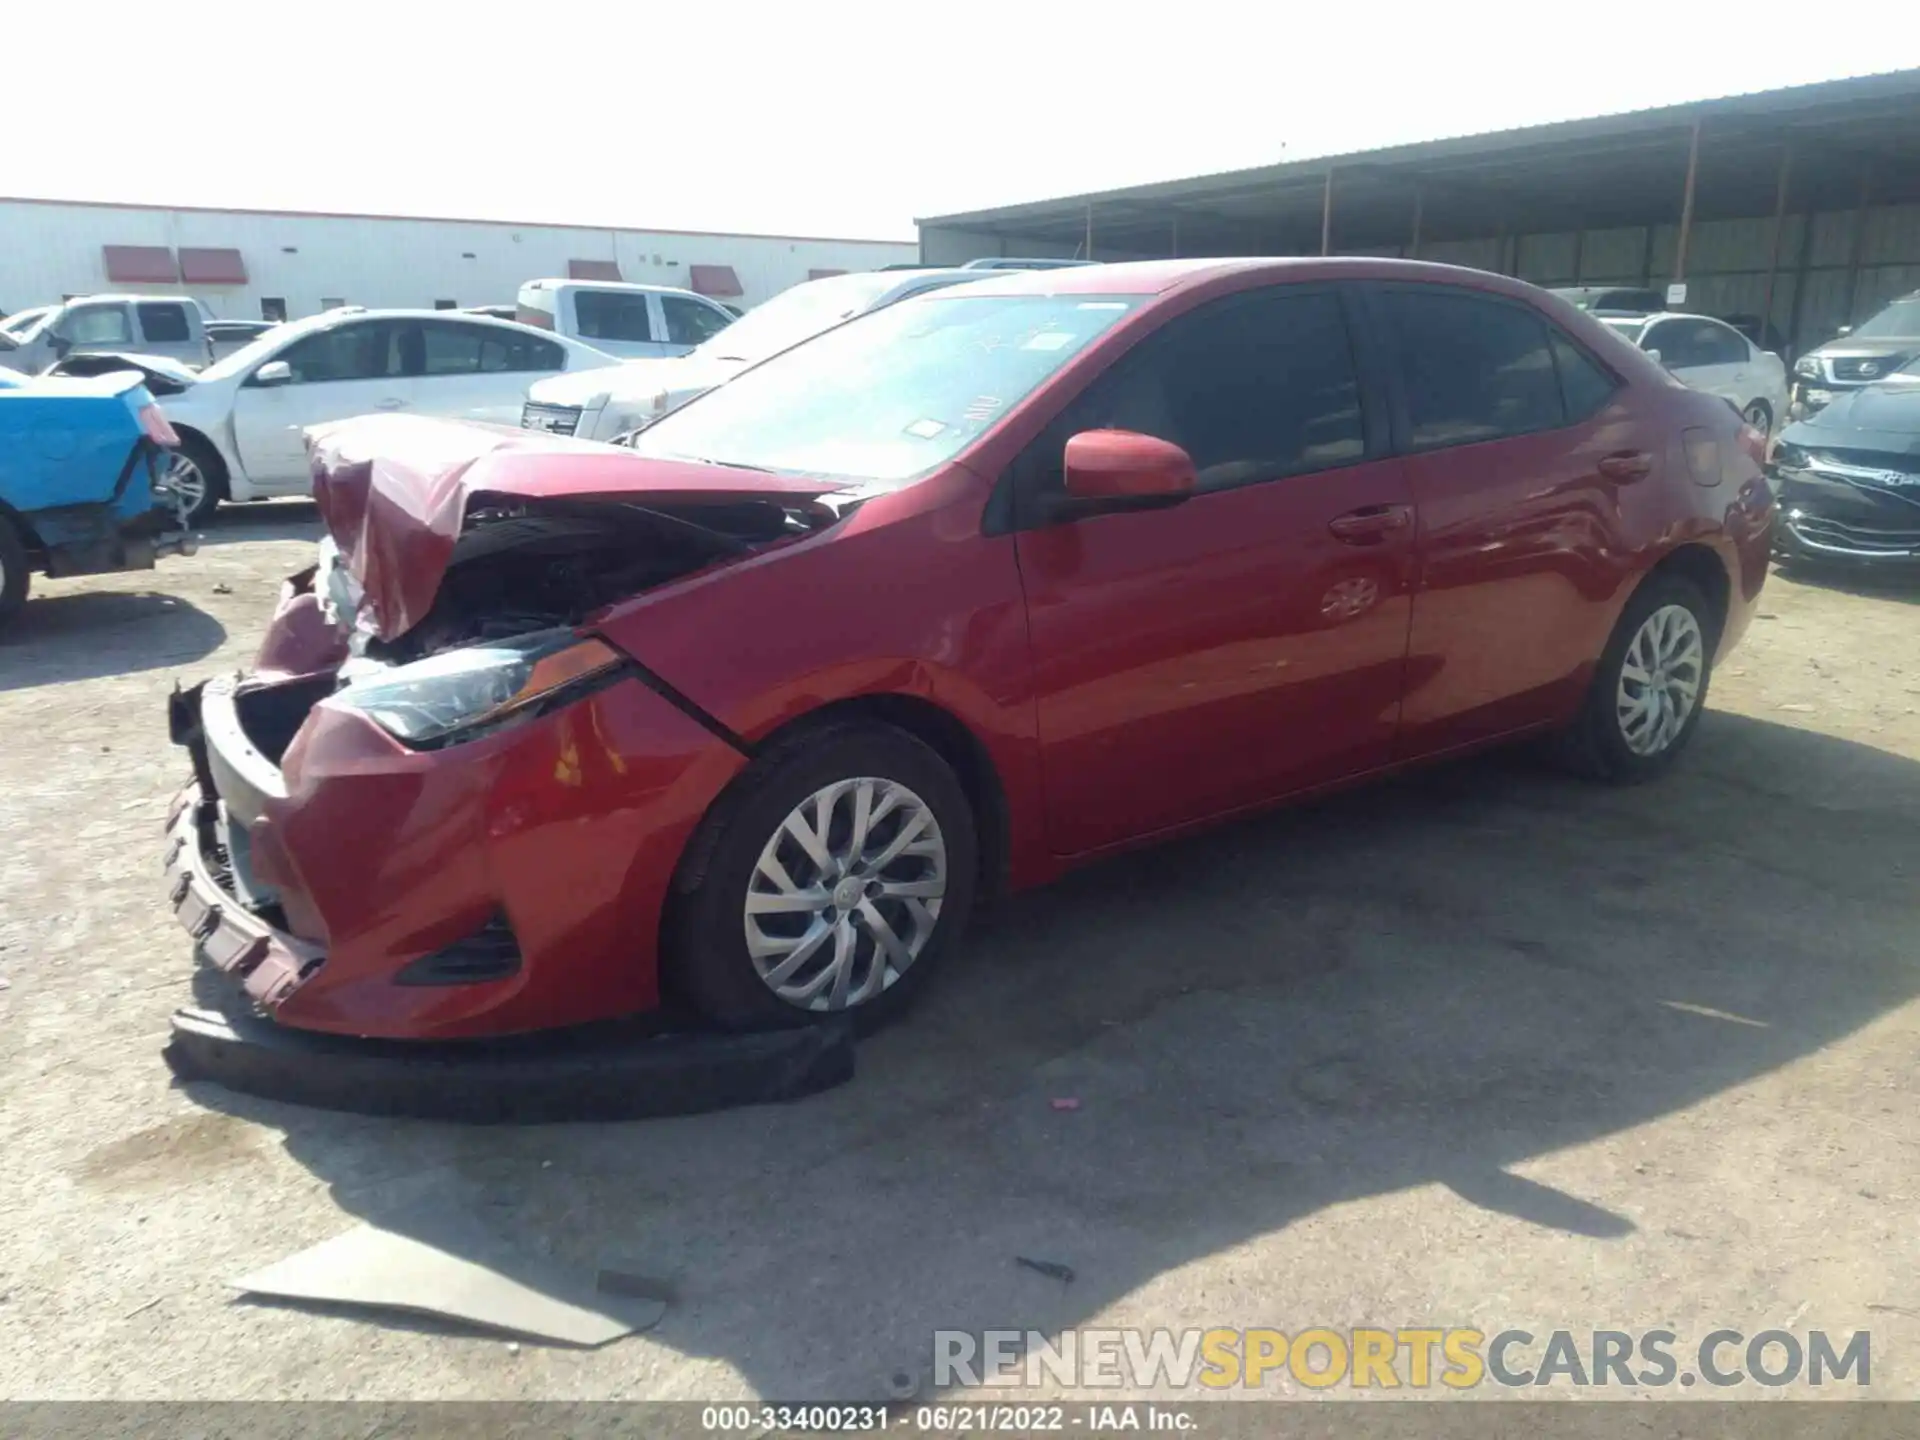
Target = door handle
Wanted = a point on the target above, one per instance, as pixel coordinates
(1370, 523)
(390, 403)
(1626, 466)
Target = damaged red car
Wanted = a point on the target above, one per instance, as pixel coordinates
(753, 710)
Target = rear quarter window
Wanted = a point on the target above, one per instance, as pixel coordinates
(1472, 367)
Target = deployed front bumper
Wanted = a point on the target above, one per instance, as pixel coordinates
(445, 1046)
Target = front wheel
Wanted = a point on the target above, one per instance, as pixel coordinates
(195, 482)
(832, 879)
(1650, 686)
(1760, 416)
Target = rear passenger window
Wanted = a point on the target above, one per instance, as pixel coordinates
(520, 352)
(611, 315)
(163, 324)
(1474, 368)
(1584, 386)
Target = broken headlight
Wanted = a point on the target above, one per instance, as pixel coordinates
(463, 694)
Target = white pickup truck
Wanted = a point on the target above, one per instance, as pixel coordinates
(172, 326)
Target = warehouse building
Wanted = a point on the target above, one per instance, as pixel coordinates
(265, 264)
(1802, 205)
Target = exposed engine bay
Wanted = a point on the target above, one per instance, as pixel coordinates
(521, 566)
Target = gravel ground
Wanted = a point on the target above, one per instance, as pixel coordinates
(1481, 1047)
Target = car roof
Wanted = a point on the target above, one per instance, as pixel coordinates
(556, 283)
(1159, 277)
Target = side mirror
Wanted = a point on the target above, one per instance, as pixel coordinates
(274, 372)
(58, 343)
(1122, 465)
(1654, 356)
(1846, 329)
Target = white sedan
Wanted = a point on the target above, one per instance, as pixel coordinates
(1707, 354)
(242, 422)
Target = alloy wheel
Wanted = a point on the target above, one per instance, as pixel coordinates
(186, 486)
(1660, 679)
(846, 894)
(1756, 415)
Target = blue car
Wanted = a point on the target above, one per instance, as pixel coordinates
(82, 481)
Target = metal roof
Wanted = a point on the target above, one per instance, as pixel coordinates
(1621, 169)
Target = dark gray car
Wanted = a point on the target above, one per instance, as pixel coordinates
(1864, 354)
(1847, 478)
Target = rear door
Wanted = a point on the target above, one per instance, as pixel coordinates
(619, 322)
(476, 372)
(1517, 448)
(172, 328)
(1202, 657)
(351, 368)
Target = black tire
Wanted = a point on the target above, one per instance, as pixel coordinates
(1763, 421)
(201, 452)
(705, 957)
(15, 575)
(1594, 745)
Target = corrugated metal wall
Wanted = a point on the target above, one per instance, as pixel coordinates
(1726, 262)
(51, 250)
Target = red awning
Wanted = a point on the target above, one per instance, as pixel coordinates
(823, 274)
(211, 266)
(713, 280)
(593, 270)
(140, 264)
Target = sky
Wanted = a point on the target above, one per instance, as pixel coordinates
(827, 117)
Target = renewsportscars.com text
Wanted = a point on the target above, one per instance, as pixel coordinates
(1414, 1358)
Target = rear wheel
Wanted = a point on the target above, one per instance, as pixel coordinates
(14, 572)
(1650, 687)
(1759, 415)
(833, 879)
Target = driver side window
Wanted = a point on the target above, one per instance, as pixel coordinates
(364, 351)
(1254, 387)
(96, 325)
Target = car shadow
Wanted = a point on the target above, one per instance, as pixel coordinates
(261, 520)
(1431, 981)
(94, 633)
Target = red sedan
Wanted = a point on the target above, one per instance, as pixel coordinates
(962, 593)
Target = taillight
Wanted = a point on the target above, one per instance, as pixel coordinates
(154, 422)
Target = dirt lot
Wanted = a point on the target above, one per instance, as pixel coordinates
(1484, 1047)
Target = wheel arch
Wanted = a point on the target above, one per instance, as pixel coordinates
(1702, 566)
(223, 476)
(29, 537)
(936, 727)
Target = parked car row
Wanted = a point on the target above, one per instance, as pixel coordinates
(958, 593)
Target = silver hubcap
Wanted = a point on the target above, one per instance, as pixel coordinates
(186, 485)
(846, 894)
(1757, 418)
(1660, 679)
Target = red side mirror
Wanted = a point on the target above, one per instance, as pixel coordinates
(1124, 465)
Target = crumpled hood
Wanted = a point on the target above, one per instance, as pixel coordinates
(634, 383)
(395, 492)
(1891, 408)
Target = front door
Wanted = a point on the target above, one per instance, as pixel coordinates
(1249, 641)
(349, 369)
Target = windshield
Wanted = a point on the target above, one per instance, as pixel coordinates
(27, 323)
(795, 315)
(891, 395)
(254, 351)
(1899, 320)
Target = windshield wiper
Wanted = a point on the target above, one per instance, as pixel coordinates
(726, 464)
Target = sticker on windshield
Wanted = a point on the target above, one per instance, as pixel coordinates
(1101, 305)
(1049, 340)
(926, 429)
(983, 407)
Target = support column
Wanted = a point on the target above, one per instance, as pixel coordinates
(1173, 237)
(1326, 215)
(1579, 248)
(1419, 203)
(1087, 244)
(1859, 242)
(1773, 251)
(1799, 286)
(1686, 207)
